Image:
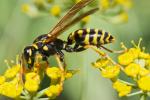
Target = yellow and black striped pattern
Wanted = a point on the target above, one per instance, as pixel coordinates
(90, 37)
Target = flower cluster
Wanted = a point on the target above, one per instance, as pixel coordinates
(134, 63)
(18, 83)
(115, 11)
(37, 8)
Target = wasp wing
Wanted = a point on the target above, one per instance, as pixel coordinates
(68, 17)
(78, 18)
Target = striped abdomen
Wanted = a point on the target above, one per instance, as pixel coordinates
(90, 37)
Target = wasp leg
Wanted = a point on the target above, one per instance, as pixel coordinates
(69, 49)
(38, 60)
(44, 58)
(61, 66)
(78, 49)
(96, 50)
(62, 59)
(112, 51)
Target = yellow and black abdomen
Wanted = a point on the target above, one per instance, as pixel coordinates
(90, 37)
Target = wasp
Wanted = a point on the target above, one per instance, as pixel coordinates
(48, 44)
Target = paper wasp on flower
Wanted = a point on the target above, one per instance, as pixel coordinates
(48, 44)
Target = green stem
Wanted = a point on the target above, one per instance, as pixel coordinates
(143, 97)
(40, 93)
(135, 93)
(43, 99)
(131, 84)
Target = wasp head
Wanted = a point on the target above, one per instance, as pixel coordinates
(29, 55)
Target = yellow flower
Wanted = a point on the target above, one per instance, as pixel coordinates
(55, 10)
(144, 83)
(2, 79)
(11, 89)
(111, 71)
(144, 55)
(40, 3)
(54, 90)
(54, 72)
(122, 88)
(100, 63)
(31, 85)
(144, 72)
(49, 1)
(68, 75)
(31, 11)
(32, 81)
(104, 4)
(11, 72)
(125, 3)
(132, 69)
(147, 63)
(32, 76)
(125, 58)
(120, 18)
(86, 19)
(134, 52)
(77, 1)
(25, 8)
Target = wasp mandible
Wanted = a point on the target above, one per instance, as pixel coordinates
(48, 44)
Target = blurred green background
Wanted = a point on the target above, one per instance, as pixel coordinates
(18, 30)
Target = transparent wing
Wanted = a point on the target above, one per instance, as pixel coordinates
(68, 17)
(78, 18)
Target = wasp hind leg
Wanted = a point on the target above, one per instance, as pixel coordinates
(112, 51)
(95, 49)
(78, 49)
